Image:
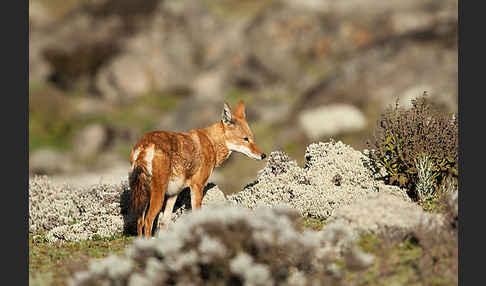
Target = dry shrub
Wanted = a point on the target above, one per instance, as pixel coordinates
(420, 140)
(233, 246)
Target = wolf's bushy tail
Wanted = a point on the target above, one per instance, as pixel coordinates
(139, 180)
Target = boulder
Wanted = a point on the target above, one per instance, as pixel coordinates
(321, 51)
(72, 211)
(50, 161)
(71, 49)
(90, 140)
(209, 86)
(166, 57)
(384, 215)
(332, 120)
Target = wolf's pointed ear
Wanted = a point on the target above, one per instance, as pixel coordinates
(227, 117)
(240, 110)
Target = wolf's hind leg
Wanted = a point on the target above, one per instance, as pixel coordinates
(156, 201)
(140, 222)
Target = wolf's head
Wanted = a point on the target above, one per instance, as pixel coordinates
(237, 133)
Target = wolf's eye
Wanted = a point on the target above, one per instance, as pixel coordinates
(246, 139)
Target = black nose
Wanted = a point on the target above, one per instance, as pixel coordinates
(264, 156)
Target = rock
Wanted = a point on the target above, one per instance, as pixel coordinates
(49, 161)
(90, 140)
(76, 46)
(321, 51)
(359, 58)
(166, 57)
(115, 82)
(76, 213)
(38, 14)
(72, 211)
(331, 120)
(384, 215)
(209, 86)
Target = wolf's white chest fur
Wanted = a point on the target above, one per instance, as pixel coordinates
(175, 186)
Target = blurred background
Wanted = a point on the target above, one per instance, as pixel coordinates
(104, 72)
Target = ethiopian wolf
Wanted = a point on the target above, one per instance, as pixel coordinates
(163, 163)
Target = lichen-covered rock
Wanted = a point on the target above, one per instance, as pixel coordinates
(227, 246)
(312, 189)
(68, 213)
(384, 215)
(49, 207)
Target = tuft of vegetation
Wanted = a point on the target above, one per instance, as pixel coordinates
(417, 148)
(233, 246)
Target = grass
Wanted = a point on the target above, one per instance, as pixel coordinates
(54, 263)
(400, 263)
(49, 125)
(395, 263)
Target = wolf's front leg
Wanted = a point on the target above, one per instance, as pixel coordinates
(196, 196)
(169, 208)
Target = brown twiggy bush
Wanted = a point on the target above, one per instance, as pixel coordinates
(416, 144)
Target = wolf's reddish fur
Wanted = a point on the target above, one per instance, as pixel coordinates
(164, 162)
